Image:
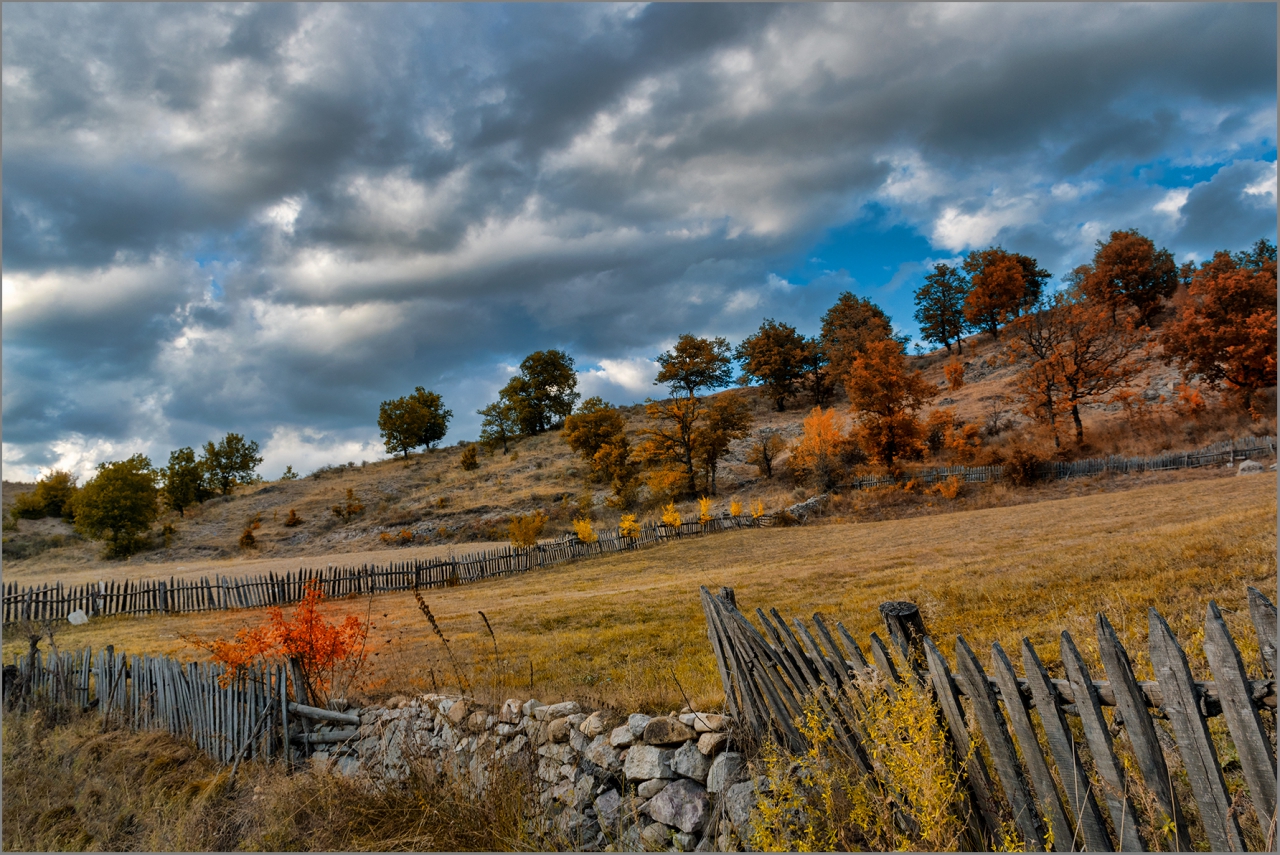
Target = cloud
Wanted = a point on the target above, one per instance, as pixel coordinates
(244, 217)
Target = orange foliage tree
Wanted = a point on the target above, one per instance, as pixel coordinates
(328, 655)
(1002, 286)
(885, 398)
(817, 455)
(1225, 329)
(777, 356)
(1128, 270)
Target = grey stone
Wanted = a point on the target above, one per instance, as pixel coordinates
(649, 789)
(601, 754)
(637, 722)
(578, 740)
(667, 731)
(621, 737)
(608, 806)
(506, 729)
(727, 769)
(683, 804)
(548, 770)
(563, 709)
(689, 762)
(478, 720)
(684, 842)
(655, 837)
(647, 761)
(738, 802)
(560, 752)
(1250, 467)
(515, 746)
(529, 706)
(510, 712)
(348, 766)
(711, 744)
(541, 713)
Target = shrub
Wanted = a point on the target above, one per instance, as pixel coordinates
(247, 540)
(704, 510)
(735, 508)
(353, 507)
(1023, 468)
(784, 519)
(118, 505)
(525, 529)
(628, 527)
(582, 528)
(51, 497)
(670, 516)
(293, 519)
(950, 488)
(954, 372)
(468, 461)
(757, 509)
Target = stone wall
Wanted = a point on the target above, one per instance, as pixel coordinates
(604, 784)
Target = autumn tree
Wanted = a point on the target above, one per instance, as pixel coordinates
(1128, 270)
(848, 327)
(1038, 338)
(51, 498)
(775, 357)
(118, 505)
(233, 460)
(940, 306)
(764, 450)
(183, 480)
(593, 426)
(695, 364)
(499, 425)
(728, 418)
(885, 398)
(544, 392)
(997, 291)
(817, 455)
(415, 420)
(1224, 330)
(669, 438)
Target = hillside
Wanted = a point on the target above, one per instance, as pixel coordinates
(447, 508)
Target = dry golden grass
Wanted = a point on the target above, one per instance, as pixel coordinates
(628, 631)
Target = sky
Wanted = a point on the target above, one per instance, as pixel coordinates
(268, 218)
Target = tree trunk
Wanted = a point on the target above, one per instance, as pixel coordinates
(782, 403)
(1075, 417)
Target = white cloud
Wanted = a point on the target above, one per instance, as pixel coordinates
(1171, 204)
(633, 377)
(1266, 183)
(955, 230)
(306, 450)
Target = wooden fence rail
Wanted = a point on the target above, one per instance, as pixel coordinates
(770, 673)
(158, 596)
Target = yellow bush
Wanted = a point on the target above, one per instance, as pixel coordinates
(670, 516)
(704, 509)
(949, 488)
(735, 508)
(582, 528)
(628, 527)
(757, 509)
(525, 529)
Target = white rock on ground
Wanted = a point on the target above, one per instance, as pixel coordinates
(648, 761)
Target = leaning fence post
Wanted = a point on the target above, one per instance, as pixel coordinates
(906, 629)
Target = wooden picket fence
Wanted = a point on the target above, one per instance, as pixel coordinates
(244, 716)
(770, 673)
(158, 596)
(1227, 451)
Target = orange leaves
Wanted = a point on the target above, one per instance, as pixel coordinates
(824, 431)
(323, 650)
(954, 372)
(885, 397)
(996, 294)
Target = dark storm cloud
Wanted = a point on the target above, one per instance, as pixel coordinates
(269, 217)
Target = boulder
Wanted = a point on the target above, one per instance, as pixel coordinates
(1250, 467)
(684, 842)
(683, 804)
(667, 731)
(608, 807)
(637, 723)
(558, 730)
(647, 761)
(594, 724)
(710, 744)
(477, 721)
(727, 769)
(621, 737)
(738, 803)
(562, 709)
(649, 789)
(458, 711)
(577, 739)
(689, 762)
(510, 712)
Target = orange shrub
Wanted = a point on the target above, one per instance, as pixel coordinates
(954, 372)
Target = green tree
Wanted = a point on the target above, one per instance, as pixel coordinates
(544, 392)
(775, 356)
(695, 363)
(848, 327)
(500, 424)
(183, 480)
(940, 306)
(118, 505)
(728, 417)
(232, 461)
(415, 420)
(51, 498)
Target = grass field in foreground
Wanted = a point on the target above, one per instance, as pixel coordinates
(628, 630)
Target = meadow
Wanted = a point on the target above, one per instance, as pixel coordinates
(627, 631)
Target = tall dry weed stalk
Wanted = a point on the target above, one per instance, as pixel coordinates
(435, 627)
